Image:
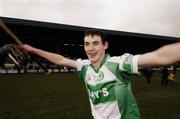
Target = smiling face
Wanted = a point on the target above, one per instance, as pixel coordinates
(95, 48)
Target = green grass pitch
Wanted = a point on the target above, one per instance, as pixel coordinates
(63, 96)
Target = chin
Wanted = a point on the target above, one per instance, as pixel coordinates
(93, 60)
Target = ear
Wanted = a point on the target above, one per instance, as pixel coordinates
(106, 45)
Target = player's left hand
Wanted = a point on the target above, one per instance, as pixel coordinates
(11, 52)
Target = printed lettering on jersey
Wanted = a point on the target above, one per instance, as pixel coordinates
(101, 93)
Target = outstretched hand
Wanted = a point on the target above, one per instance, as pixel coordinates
(27, 49)
(11, 52)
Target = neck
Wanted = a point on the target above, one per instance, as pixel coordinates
(97, 64)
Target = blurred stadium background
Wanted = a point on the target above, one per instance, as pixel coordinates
(26, 93)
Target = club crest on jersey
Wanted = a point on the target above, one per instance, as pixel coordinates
(99, 76)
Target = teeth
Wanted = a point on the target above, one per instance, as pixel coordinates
(92, 54)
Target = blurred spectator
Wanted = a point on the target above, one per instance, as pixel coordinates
(148, 74)
(171, 73)
(164, 78)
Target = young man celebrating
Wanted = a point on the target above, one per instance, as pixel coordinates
(107, 78)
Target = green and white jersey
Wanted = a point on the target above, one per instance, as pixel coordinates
(109, 87)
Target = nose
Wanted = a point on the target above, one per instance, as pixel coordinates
(90, 47)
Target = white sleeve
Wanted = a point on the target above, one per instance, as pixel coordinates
(135, 64)
(80, 63)
(129, 63)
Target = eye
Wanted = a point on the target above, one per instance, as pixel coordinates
(96, 43)
(86, 43)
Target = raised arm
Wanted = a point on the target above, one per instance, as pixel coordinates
(52, 57)
(165, 55)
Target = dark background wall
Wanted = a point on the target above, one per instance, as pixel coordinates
(68, 40)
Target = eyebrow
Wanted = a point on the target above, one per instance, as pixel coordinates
(92, 42)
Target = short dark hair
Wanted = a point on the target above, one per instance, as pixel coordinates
(97, 32)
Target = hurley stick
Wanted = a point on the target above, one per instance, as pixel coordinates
(18, 42)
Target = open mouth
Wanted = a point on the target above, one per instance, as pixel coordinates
(92, 55)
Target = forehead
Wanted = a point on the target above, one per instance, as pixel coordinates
(92, 38)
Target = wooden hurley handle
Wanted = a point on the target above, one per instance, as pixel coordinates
(10, 33)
